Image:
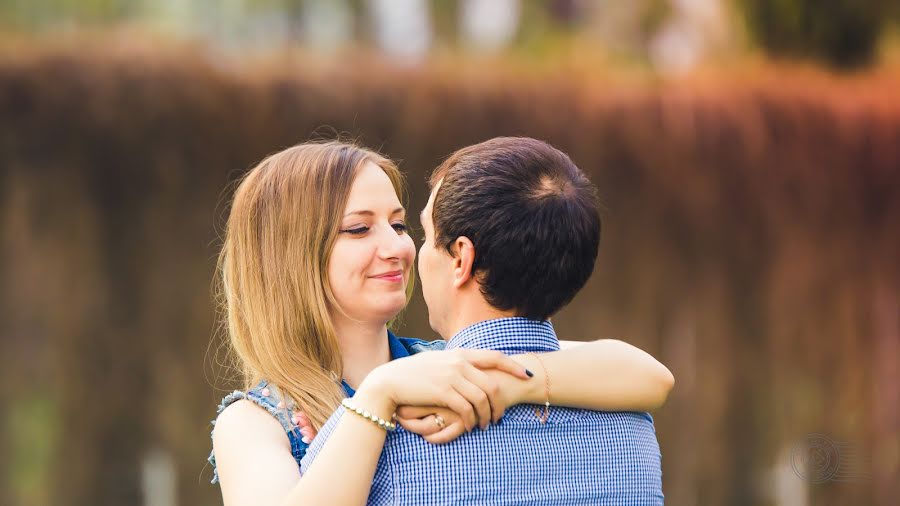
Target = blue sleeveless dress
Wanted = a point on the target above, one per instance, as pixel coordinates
(270, 398)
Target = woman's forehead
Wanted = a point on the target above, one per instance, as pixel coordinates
(373, 191)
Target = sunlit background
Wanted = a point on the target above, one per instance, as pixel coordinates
(747, 153)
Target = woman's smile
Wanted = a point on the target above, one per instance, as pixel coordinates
(391, 276)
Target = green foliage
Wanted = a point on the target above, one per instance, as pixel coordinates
(32, 433)
(844, 33)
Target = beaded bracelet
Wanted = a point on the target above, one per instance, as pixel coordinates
(381, 422)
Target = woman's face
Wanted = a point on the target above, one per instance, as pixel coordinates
(372, 257)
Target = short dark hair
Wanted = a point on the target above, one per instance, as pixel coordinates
(532, 215)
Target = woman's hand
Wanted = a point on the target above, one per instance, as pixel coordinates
(454, 379)
(439, 425)
(435, 425)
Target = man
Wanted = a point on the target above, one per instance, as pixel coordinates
(511, 235)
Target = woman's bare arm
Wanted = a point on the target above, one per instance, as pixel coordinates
(604, 375)
(255, 463)
(253, 456)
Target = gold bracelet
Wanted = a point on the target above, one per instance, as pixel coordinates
(537, 411)
(381, 422)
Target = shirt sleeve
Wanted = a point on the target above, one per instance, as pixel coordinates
(321, 438)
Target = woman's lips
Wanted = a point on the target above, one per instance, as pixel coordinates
(393, 276)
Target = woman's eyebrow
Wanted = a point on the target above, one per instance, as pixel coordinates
(367, 212)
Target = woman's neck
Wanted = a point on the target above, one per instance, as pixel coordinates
(364, 346)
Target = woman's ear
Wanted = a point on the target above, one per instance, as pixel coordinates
(463, 259)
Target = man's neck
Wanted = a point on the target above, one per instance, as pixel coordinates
(470, 312)
(364, 346)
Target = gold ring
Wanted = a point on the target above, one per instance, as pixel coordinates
(439, 420)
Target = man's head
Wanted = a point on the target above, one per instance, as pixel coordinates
(512, 224)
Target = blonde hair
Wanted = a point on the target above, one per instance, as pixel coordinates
(272, 270)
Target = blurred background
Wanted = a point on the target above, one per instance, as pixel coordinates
(747, 153)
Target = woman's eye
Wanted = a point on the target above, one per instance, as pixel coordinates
(355, 230)
(401, 228)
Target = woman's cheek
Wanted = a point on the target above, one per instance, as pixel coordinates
(348, 262)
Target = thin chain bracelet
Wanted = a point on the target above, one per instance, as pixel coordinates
(537, 411)
(381, 422)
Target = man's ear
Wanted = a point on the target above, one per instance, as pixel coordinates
(463, 258)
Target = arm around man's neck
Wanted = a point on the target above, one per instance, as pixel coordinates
(603, 375)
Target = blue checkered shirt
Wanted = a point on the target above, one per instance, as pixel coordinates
(578, 457)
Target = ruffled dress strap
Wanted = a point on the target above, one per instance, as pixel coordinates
(270, 398)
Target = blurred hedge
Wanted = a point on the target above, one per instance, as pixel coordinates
(843, 33)
(751, 242)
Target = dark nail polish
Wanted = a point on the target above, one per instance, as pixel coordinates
(529, 373)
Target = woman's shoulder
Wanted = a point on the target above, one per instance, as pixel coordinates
(257, 415)
(243, 418)
(264, 396)
(414, 345)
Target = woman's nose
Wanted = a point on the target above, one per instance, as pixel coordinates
(391, 244)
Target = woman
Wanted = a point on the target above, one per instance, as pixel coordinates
(317, 261)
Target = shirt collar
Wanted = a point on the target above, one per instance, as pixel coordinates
(508, 335)
(397, 351)
(397, 348)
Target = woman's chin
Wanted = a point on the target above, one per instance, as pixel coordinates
(372, 308)
(388, 312)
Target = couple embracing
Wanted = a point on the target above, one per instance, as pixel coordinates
(337, 410)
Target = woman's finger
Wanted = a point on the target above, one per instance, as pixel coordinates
(490, 359)
(463, 408)
(423, 411)
(477, 398)
(447, 434)
(424, 426)
(410, 412)
(490, 387)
